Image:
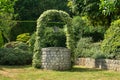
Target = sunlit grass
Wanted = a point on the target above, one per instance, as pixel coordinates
(77, 73)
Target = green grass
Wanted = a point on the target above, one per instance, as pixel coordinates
(77, 73)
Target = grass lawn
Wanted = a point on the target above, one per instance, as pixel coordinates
(77, 73)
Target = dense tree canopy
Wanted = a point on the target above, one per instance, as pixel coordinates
(94, 9)
(6, 15)
(29, 10)
(110, 8)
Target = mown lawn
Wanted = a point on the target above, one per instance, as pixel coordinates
(77, 73)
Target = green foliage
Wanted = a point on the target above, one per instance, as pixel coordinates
(89, 8)
(109, 7)
(29, 10)
(1, 39)
(82, 27)
(15, 53)
(22, 27)
(96, 51)
(83, 47)
(84, 6)
(86, 48)
(11, 44)
(6, 15)
(7, 5)
(52, 16)
(6, 25)
(96, 32)
(50, 38)
(10, 56)
(111, 42)
(22, 46)
(17, 45)
(32, 41)
(23, 37)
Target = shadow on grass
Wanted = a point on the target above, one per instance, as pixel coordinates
(14, 67)
(80, 69)
(1, 69)
(74, 69)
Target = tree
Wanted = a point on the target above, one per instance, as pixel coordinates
(89, 8)
(29, 10)
(111, 9)
(6, 15)
(111, 42)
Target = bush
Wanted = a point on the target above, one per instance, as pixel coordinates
(97, 33)
(1, 39)
(86, 48)
(11, 56)
(16, 44)
(50, 38)
(111, 42)
(32, 41)
(97, 53)
(82, 27)
(79, 26)
(83, 47)
(53, 39)
(15, 53)
(23, 37)
(11, 44)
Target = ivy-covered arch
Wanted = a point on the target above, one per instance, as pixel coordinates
(42, 21)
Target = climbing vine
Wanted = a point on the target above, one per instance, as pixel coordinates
(50, 16)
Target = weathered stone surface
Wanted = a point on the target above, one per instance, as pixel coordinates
(99, 63)
(56, 58)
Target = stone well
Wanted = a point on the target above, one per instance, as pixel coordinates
(56, 58)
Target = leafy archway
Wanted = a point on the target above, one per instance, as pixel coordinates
(43, 20)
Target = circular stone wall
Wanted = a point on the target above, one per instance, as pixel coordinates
(56, 58)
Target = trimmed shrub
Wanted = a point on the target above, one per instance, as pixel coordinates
(23, 37)
(15, 53)
(111, 42)
(11, 56)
